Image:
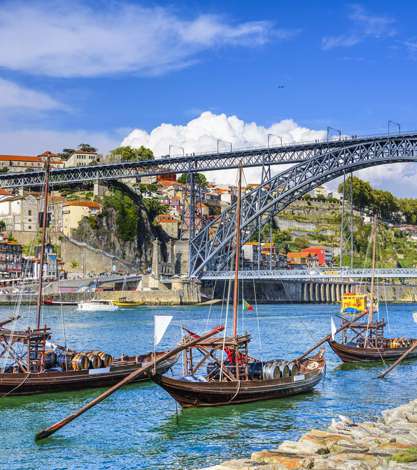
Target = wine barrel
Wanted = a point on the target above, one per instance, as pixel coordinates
(293, 369)
(80, 361)
(285, 371)
(49, 359)
(64, 360)
(106, 359)
(94, 359)
(271, 370)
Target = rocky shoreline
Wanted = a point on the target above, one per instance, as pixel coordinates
(390, 442)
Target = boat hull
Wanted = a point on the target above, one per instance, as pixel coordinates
(97, 308)
(12, 384)
(122, 304)
(205, 394)
(356, 354)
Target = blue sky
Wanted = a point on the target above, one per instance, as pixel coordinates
(97, 69)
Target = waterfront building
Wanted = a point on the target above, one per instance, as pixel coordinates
(74, 211)
(53, 265)
(10, 259)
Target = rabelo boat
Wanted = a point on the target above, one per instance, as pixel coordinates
(219, 370)
(364, 340)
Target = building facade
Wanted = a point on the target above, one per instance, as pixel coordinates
(17, 163)
(80, 158)
(10, 259)
(74, 211)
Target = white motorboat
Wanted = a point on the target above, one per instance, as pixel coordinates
(97, 306)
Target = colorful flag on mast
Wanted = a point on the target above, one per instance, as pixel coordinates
(247, 307)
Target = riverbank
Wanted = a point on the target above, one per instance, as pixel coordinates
(390, 442)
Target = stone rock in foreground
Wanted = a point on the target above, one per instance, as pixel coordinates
(388, 443)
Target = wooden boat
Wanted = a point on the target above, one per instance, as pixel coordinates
(123, 302)
(208, 390)
(30, 363)
(214, 380)
(358, 353)
(21, 381)
(365, 341)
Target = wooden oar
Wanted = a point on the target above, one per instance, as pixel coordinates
(403, 356)
(60, 424)
(326, 338)
(9, 320)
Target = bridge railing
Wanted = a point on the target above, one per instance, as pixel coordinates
(314, 274)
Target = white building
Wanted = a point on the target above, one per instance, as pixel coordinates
(80, 158)
(320, 191)
(20, 213)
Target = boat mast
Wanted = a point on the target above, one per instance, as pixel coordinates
(237, 253)
(46, 156)
(371, 306)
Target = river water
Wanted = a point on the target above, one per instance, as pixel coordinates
(138, 427)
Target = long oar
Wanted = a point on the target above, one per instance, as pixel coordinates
(403, 356)
(326, 338)
(60, 424)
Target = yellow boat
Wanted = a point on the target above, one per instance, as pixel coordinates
(122, 302)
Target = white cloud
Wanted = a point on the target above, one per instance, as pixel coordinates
(16, 97)
(202, 135)
(68, 39)
(364, 26)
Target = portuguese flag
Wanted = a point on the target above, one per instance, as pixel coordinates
(247, 307)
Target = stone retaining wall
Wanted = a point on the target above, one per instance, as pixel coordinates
(388, 443)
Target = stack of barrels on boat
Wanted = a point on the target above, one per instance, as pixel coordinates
(64, 360)
(395, 343)
(259, 370)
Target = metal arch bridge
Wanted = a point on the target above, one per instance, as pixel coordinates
(333, 274)
(212, 247)
(253, 157)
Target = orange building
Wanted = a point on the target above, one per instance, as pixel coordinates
(314, 255)
(26, 162)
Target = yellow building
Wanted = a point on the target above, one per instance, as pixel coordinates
(74, 211)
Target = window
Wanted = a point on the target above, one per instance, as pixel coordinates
(29, 212)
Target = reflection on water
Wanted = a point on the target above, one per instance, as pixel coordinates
(138, 427)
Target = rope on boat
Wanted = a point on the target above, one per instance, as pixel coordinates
(257, 321)
(225, 328)
(237, 391)
(4, 395)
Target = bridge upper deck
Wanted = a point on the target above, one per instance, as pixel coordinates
(251, 157)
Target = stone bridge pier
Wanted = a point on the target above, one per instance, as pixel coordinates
(325, 291)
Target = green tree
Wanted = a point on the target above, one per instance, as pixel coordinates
(86, 148)
(384, 204)
(2, 225)
(154, 208)
(199, 178)
(126, 214)
(361, 192)
(129, 154)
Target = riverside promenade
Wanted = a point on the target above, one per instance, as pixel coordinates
(390, 442)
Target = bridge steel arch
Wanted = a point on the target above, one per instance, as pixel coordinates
(211, 248)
